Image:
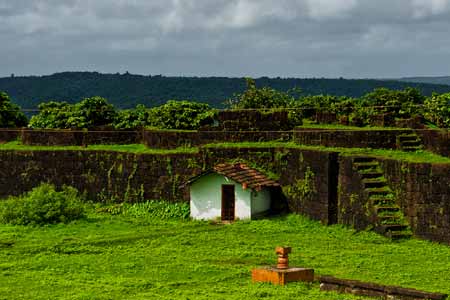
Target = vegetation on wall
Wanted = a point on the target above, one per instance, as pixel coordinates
(301, 191)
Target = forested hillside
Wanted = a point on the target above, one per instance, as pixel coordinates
(127, 90)
(431, 80)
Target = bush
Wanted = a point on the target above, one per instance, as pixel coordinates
(43, 205)
(159, 210)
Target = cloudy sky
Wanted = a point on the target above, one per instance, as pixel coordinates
(286, 38)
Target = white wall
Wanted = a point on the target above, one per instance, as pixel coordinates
(260, 201)
(206, 198)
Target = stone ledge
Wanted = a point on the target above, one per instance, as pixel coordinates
(329, 283)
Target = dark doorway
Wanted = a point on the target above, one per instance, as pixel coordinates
(228, 201)
(333, 182)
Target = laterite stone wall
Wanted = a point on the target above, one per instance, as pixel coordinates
(423, 190)
(102, 175)
(131, 177)
(162, 139)
(437, 141)
(7, 135)
(353, 207)
(375, 139)
(60, 137)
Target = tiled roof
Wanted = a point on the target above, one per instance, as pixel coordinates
(245, 175)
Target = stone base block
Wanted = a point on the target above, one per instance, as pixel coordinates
(282, 276)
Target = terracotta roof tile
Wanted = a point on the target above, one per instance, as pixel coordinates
(243, 174)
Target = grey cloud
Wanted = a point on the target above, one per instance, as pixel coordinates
(330, 38)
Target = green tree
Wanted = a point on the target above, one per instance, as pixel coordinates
(185, 115)
(53, 115)
(10, 114)
(93, 112)
(258, 98)
(132, 118)
(89, 113)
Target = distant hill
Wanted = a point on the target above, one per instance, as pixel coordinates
(431, 80)
(127, 90)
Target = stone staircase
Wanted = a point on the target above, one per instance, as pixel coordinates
(409, 142)
(387, 215)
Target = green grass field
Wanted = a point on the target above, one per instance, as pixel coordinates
(121, 257)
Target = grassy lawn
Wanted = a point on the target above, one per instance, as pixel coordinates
(120, 257)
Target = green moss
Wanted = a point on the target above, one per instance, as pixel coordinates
(302, 190)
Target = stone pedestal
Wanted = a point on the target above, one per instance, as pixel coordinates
(282, 276)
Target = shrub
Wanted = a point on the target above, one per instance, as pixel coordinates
(43, 205)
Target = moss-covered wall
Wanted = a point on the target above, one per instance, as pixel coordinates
(423, 191)
(375, 139)
(435, 140)
(79, 137)
(312, 181)
(103, 175)
(163, 139)
(353, 207)
(7, 135)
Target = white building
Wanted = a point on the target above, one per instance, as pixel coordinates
(229, 192)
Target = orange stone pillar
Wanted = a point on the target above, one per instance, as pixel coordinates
(282, 273)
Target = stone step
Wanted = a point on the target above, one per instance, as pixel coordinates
(410, 148)
(360, 159)
(385, 228)
(378, 192)
(407, 137)
(411, 143)
(366, 165)
(387, 209)
(371, 174)
(398, 235)
(374, 183)
(388, 220)
(382, 201)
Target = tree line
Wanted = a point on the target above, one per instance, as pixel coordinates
(95, 112)
(127, 90)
